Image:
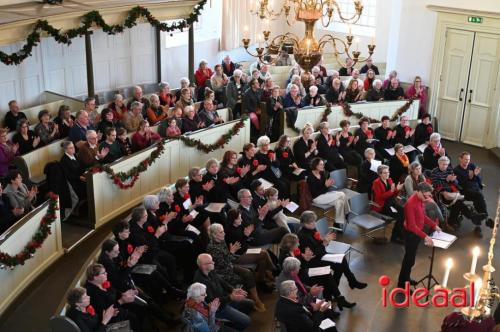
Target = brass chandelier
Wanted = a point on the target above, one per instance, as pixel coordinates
(307, 51)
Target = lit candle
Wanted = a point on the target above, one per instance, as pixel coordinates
(475, 254)
(308, 44)
(350, 31)
(373, 40)
(259, 39)
(266, 24)
(245, 32)
(449, 264)
(356, 43)
(477, 291)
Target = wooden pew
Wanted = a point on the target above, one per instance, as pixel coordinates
(16, 237)
(107, 201)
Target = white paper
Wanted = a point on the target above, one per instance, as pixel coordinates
(193, 213)
(374, 165)
(297, 171)
(443, 236)
(319, 271)
(329, 304)
(390, 151)
(214, 207)
(265, 184)
(292, 206)
(408, 148)
(326, 324)
(254, 251)
(422, 147)
(191, 228)
(393, 209)
(334, 258)
(187, 203)
(441, 244)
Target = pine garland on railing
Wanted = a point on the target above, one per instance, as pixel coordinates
(91, 19)
(126, 180)
(11, 261)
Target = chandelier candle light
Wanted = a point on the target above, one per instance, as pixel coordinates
(307, 51)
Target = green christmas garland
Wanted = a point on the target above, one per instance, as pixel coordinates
(95, 18)
(9, 261)
(126, 180)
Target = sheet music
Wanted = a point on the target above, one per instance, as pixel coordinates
(297, 171)
(191, 228)
(422, 147)
(326, 324)
(292, 206)
(441, 244)
(187, 203)
(254, 251)
(319, 271)
(443, 236)
(193, 213)
(334, 258)
(214, 207)
(408, 148)
(374, 165)
(266, 184)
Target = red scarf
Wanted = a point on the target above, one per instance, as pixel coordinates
(368, 133)
(200, 307)
(436, 148)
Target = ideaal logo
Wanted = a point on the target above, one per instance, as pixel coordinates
(441, 297)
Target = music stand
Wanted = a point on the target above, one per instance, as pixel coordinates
(429, 276)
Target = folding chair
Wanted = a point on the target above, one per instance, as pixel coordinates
(340, 178)
(334, 247)
(369, 220)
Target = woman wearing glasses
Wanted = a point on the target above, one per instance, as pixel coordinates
(25, 137)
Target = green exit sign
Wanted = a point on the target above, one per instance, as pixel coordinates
(475, 19)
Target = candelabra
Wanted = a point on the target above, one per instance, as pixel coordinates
(307, 51)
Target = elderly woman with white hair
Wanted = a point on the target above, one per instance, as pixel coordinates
(293, 98)
(376, 93)
(167, 99)
(433, 151)
(272, 173)
(118, 107)
(336, 92)
(295, 80)
(234, 93)
(367, 173)
(224, 260)
(311, 239)
(313, 98)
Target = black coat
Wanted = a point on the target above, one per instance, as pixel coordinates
(57, 184)
(72, 171)
(299, 151)
(295, 317)
(84, 321)
(422, 133)
(216, 287)
(398, 171)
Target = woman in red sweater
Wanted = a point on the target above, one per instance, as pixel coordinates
(202, 74)
(144, 137)
(384, 193)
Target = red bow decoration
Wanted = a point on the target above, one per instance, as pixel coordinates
(90, 310)
(130, 248)
(296, 252)
(407, 129)
(186, 196)
(177, 208)
(106, 284)
(430, 130)
(238, 170)
(317, 236)
(255, 163)
(150, 229)
(285, 154)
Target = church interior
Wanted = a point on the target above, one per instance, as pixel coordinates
(249, 165)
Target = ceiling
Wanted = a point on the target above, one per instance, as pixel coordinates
(17, 17)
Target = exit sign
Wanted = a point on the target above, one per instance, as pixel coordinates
(475, 19)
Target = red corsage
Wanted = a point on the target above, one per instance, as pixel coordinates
(90, 310)
(238, 170)
(296, 252)
(270, 154)
(285, 154)
(407, 129)
(369, 134)
(430, 130)
(177, 208)
(163, 217)
(106, 284)
(186, 196)
(317, 236)
(255, 163)
(130, 248)
(150, 229)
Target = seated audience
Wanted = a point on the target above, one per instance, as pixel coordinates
(185, 99)
(144, 137)
(353, 93)
(418, 91)
(321, 185)
(433, 152)
(202, 76)
(73, 173)
(133, 117)
(384, 194)
(78, 133)
(7, 153)
(13, 116)
(394, 91)
(363, 137)
(328, 148)
(110, 143)
(124, 141)
(234, 93)
(369, 66)
(267, 88)
(304, 148)
(89, 153)
(64, 120)
(84, 315)
(274, 108)
(398, 164)
(191, 122)
(264, 73)
(224, 259)
(276, 208)
(208, 114)
(185, 83)
(18, 193)
(9, 214)
(107, 121)
(298, 82)
(404, 135)
(376, 93)
(267, 157)
(345, 143)
(291, 313)
(118, 107)
(313, 98)
(423, 131)
(471, 183)
(251, 103)
(228, 66)
(369, 81)
(336, 92)
(366, 174)
(167, 99)
(387, 82)
(47, 130)
(156, 112)
(234, 304)
(385, 137)
(288, 165)
(89, 107)
(218, 82)
(354, 77)
(347, 70)
(172, 130)
(139, 98)
(25, 138)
